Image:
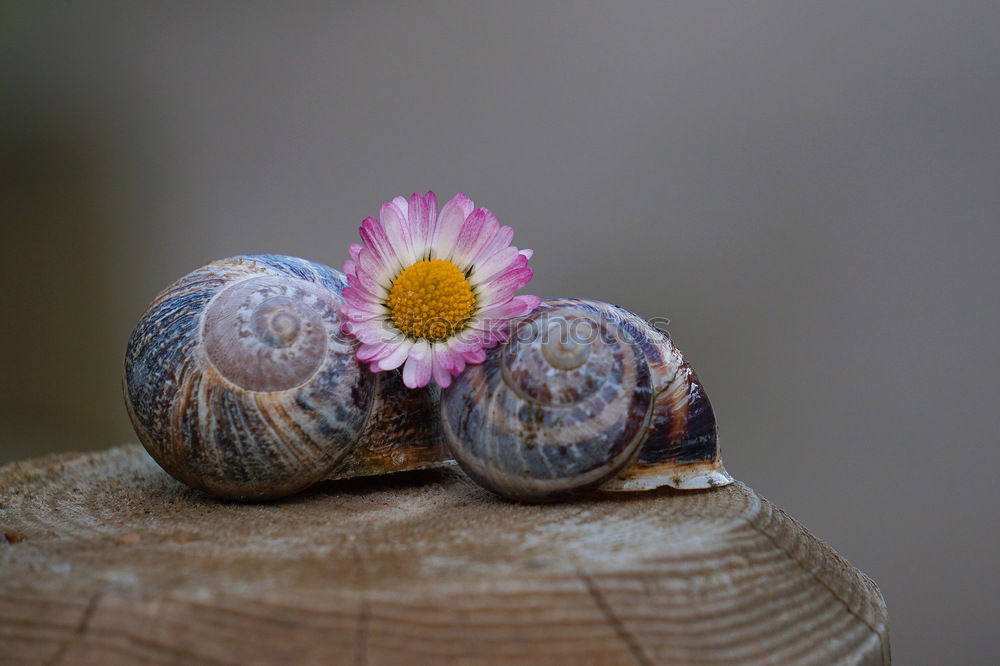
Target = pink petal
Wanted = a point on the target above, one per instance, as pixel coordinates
(442, 357)
(500, 241)
(530, 302)
(362, 330)
(373, 352)
(368, 284)
(503, 287)
(370, 264)
(350, 266)
(451, 360)
(490, 268)
(465, 341)
(473, 357)
(518, 306)
(355, 250)
(377, 242)
(527, 254)
(423, 218)
(487, 235)
(358, 316)
(441, 374)
(476, 232)
(397, 356)
(361, 301)
(496, 337)
(449, 224)
(420, 349)
(397, 230)
(417, 371)
(364, 283)
(372, 331)
(488, 330)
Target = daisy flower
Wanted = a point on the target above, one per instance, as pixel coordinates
(430, 291)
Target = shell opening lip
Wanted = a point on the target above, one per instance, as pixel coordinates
(698, 477)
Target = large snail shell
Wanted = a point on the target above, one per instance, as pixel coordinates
(582, 394)
(239, 382)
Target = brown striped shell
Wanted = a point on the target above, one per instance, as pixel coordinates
(239, 381)
(583, 394)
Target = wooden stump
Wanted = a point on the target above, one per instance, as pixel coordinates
(106, 559)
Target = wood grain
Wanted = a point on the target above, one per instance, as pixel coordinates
(106, 559)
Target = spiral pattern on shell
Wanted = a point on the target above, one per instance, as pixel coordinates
(562, 405)
(239, 381)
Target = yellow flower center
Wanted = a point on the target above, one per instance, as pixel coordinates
(432, 299)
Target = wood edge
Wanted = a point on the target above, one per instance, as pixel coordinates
(859, 594)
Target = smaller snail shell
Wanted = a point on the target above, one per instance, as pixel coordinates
(239, 381)
(561, 406)
(582, 394)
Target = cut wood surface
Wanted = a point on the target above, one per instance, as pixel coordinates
(106, 559)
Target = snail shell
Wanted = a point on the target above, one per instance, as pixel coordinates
(239, 381)
(583, 394)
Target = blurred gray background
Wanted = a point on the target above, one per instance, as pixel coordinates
(809, 191)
